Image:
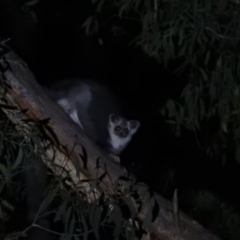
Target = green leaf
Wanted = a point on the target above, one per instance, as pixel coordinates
(183, 49)
(87, 24)
(96, 222)
(34, 16)
(197, 123)
(136, 4)
(148, 218)
(7, 205)
(67, 217)
(171, 122)
(63, 237)
(181, 114)
(207, 57)
(85, 227)
(99, 6)
(32, 3)
(219, 62)
(72, 225)
(204, 75)
(163, 111)
(132, 205)
(51, 194)
(117, 219)
(4, 170)
(224, 127)
(202, 109)
(171, 108)
(61, 210)
(76, 237)
(19, 158)
(181, 37)
(92, 210)
(123, 8)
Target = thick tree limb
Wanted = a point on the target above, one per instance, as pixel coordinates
(78, 153)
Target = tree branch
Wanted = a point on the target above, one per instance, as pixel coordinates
(76, 154)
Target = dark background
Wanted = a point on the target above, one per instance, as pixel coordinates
(57, 47)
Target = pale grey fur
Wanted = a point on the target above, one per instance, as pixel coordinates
(96, 111)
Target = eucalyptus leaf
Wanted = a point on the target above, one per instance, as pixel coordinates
(148, 219)
(61, 211)
(85, 227)
(96, 222)
(4, 170)
(132, 205)
(19, 158)
(72, 225)
(67, 218)
(117, 219)
(92, 210)
(32, 3)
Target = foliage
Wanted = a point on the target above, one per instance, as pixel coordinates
(203, 38)
(20, 150)
(77, 218)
